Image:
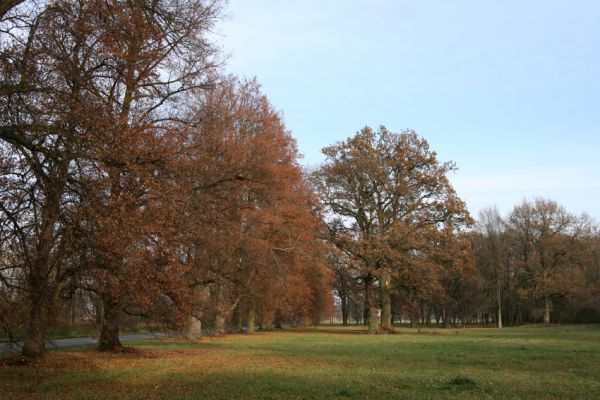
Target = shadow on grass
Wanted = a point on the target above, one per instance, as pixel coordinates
(362, 330)
(344, 331)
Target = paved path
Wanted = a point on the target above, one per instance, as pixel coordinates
(81, 341)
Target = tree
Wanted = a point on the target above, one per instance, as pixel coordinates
(44, 110)
(89, 90)
(547, 237)
(251, 225)
(494, 251)
(379, 184)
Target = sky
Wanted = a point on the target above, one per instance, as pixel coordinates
(508, 90)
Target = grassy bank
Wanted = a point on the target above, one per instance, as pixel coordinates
(545, 362)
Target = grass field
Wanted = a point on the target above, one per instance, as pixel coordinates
(326, 363)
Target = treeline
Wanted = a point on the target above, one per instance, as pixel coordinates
(540, 263)
(408, 251)
(137, 180)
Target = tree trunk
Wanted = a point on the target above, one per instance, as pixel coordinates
(499, 301)
(386, 309)
(499, 309)
(220, 311)
(42, 295)
(446, 317)
(111, 325)
(193, 328)
(34, 343)
(267, 320)
(239, 322)
(267, 324)
(250, 319)
(344, 301)
(547, 307)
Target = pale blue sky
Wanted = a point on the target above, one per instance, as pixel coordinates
(509, 90)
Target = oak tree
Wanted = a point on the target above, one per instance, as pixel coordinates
(383, 192)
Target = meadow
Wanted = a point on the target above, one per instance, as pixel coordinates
(325, 363)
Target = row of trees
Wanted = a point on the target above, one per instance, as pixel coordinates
(539, 263)
(136, 179)
(408, 250)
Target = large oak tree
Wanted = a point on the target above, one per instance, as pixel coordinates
(387, 197)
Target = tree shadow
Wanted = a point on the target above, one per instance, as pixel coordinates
(341, 331)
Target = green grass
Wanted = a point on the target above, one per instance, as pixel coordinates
(328, 363)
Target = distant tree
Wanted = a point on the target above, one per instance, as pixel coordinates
(493, 251)
(547, 239)
(345, 283)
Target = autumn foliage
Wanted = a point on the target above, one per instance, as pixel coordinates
(139, 182)
(135, 181)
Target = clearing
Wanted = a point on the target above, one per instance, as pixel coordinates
(329, 362)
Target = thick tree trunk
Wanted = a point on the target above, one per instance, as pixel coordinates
(193, 325)
(386, 302)
(220, 311)
(547, 308)
(111, 325)
(267, 324)
(220, 324)
(34, 343)
(42, 295)
(250, 319)
(193, 328)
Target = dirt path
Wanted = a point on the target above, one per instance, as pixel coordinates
(81, 341)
